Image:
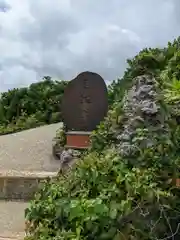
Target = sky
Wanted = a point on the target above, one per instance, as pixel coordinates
(62, 38)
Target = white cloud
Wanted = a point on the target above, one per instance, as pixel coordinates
(61, 38)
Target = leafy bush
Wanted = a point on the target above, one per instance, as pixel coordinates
(32, 106)
(56, 117)
(107, 196)
(103, 198)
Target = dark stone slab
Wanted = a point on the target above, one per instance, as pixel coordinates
(85, 102)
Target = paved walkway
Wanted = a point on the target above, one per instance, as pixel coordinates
(12, 221)
(29, 150)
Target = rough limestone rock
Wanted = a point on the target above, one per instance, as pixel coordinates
(144, 116)
(68, 157)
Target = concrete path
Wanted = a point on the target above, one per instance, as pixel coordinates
(12, 223)
(30, 150)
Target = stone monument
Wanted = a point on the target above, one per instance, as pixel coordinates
(84, 106)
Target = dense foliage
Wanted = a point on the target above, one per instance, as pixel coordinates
(38, 104)
(107, 196)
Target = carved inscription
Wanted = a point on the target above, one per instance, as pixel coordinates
(85, 101)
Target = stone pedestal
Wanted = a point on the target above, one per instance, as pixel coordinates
(77, 139)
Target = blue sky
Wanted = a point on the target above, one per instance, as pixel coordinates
(61, 38)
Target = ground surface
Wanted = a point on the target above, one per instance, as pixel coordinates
(12, 223)
(29, 150)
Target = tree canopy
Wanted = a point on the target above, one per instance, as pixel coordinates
(38, 104)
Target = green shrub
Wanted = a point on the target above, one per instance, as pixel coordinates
(102, 198)
(109, 197)
(32, 106)
(41, 116)
(56, 117)
(31, 121)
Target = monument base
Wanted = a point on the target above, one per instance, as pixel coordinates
(77, 139)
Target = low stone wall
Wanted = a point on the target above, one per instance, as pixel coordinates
(21, 185)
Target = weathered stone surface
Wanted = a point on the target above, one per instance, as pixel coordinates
(85, 102)
(68, 158)
(142, 111)
(20, 188)
(21, 185)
